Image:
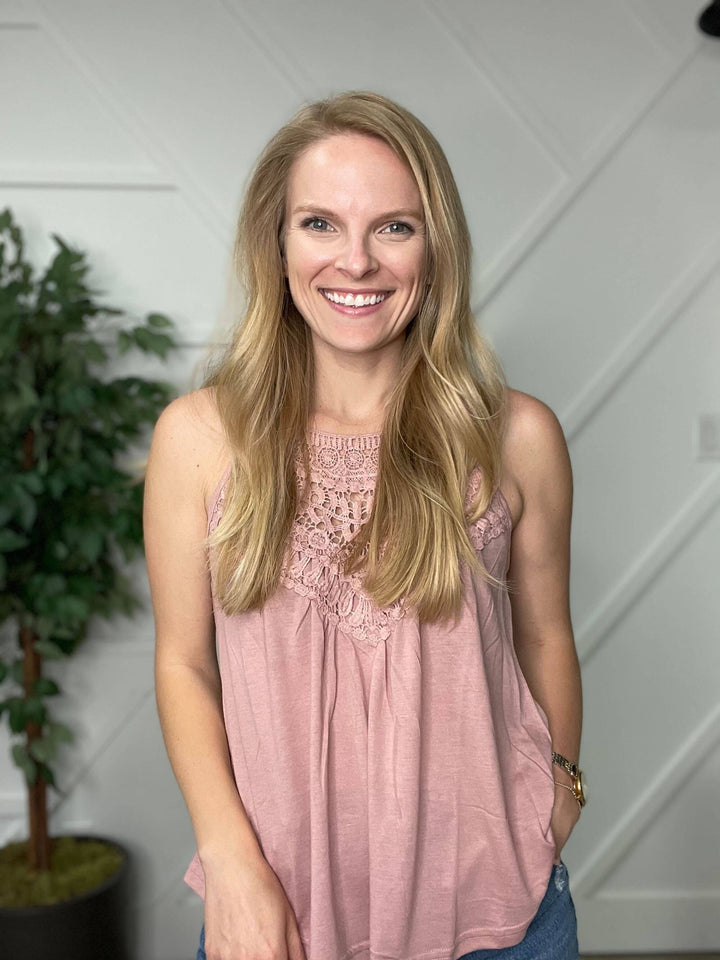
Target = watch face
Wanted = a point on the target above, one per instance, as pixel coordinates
(583, 786)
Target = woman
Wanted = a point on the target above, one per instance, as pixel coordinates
(366, 669)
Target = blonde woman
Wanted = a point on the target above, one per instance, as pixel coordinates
(357, 541)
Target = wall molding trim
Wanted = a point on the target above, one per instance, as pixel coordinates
(589, 876)
(640, 341)
(647, 566)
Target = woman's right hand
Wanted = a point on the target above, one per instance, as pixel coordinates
(247, 913)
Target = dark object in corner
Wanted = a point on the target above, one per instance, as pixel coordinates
(709, 20)
(87, 927)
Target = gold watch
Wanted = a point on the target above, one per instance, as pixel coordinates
(579, 785)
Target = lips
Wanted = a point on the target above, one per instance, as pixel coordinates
(355, 298)
(350, 309)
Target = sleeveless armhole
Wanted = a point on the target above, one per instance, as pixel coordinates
(497, 518)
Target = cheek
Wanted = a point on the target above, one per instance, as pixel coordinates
(304, 264)
(303, 246)
(411, 266)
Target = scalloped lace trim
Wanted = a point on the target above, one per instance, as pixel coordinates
(342, 476)
(494, 522)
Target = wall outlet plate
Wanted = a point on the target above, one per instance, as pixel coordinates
(707, 438)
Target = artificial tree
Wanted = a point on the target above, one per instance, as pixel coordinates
(70, 516)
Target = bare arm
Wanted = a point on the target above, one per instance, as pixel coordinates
(186, 670)
(536, 455)
(247, 912)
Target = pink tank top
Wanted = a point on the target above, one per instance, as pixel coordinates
(397, 774)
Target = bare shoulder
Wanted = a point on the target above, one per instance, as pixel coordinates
(183, 451)
(535, 455)
(190, 433)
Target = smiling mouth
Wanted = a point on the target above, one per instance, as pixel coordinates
(356, 300)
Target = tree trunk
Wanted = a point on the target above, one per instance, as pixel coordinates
(39, 845)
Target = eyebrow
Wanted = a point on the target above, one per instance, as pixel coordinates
(390, 215)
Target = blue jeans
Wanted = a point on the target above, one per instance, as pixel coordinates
(552, 934)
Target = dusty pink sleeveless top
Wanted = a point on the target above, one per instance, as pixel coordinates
(397, 774)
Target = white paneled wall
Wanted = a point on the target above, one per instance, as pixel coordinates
(585, 139)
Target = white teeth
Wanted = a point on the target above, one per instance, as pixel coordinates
(356, 300)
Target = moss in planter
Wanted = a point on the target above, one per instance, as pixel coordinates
(78, 866)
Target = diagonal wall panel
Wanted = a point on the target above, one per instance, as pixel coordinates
(71, 137)
(639, 230)
(634, 464)
(553, 59)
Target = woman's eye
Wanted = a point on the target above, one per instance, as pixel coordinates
(311, 221)
(405, 228)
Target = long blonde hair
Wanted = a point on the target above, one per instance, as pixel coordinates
(444, 416)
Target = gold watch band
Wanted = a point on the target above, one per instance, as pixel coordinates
(566, 787)
(566, 764)
(578, 788)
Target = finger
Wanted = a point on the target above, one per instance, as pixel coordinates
(294, 944)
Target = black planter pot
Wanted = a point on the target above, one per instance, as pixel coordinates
(93, 926)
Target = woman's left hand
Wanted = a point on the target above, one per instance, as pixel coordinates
(565, 814)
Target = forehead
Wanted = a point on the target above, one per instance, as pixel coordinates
(350, 172)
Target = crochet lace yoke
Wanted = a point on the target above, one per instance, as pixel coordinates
(342, 480)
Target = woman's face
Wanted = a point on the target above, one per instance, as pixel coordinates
(354, 227)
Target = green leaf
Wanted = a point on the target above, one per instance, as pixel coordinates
(142, 337)
(59, 732)
(27, 508)
(46, 774)
(19, 404)
(95, 351)
(48, 649)
(60, 550)
(72, 608)
(43, 627)
(3, 670)
(34, 710)
(152, 342)
(57, 484)
(82, 396)
(90, 543)
(49, 584)
(45, 687)
(26, 763)
(159, 320)
(49, 348)
(31, 480)
(9, 540)
(43, 749)
(16, 672)
(16, 714)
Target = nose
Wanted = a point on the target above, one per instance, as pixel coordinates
(355, 256)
